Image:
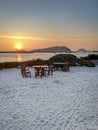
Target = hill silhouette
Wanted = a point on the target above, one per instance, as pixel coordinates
(53, 49)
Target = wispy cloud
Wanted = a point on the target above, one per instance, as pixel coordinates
(21, 37)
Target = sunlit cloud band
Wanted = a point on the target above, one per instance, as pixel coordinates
(21, 37)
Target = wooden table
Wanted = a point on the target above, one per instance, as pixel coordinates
(61, 66)
(40, 70)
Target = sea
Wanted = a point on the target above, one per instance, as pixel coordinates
(19, 57)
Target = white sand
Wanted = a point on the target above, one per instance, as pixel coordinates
(64, 101)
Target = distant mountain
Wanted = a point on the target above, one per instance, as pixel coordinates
(83, 51)
(53, 49)
(17, 51)
(21, 51)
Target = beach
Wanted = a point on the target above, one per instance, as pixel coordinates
(64, 101)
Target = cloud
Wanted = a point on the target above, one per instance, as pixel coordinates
(21, 37)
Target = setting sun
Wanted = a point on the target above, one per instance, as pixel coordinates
(19, 46)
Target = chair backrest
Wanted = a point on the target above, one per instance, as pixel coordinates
(23, 67)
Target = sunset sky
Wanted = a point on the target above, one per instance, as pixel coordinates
(32, 24)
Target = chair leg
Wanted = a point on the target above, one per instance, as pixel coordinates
(50, 72)
(26, 74)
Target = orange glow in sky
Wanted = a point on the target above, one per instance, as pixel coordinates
(31, 24)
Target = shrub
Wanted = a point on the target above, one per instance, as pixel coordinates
(30, 63)
(39, 62)
(91, 57)
(84, 62)
(64, 58)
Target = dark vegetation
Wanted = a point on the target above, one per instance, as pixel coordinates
(27, 63)
(91, 57)
(64, 58)
(71, 59)
(83, 62)
(88, 60)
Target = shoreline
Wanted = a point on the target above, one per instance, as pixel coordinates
(14, 57)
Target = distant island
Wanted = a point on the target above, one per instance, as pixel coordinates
(54, 49)
(82, 51)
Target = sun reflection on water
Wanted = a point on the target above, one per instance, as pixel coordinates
(19, 57)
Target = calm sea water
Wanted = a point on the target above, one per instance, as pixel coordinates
(8, 57)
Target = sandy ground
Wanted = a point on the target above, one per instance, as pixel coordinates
(64, 101)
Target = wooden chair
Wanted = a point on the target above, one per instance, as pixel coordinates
(66, 68)
(25, 71)
(50, 70)
(38, 72)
